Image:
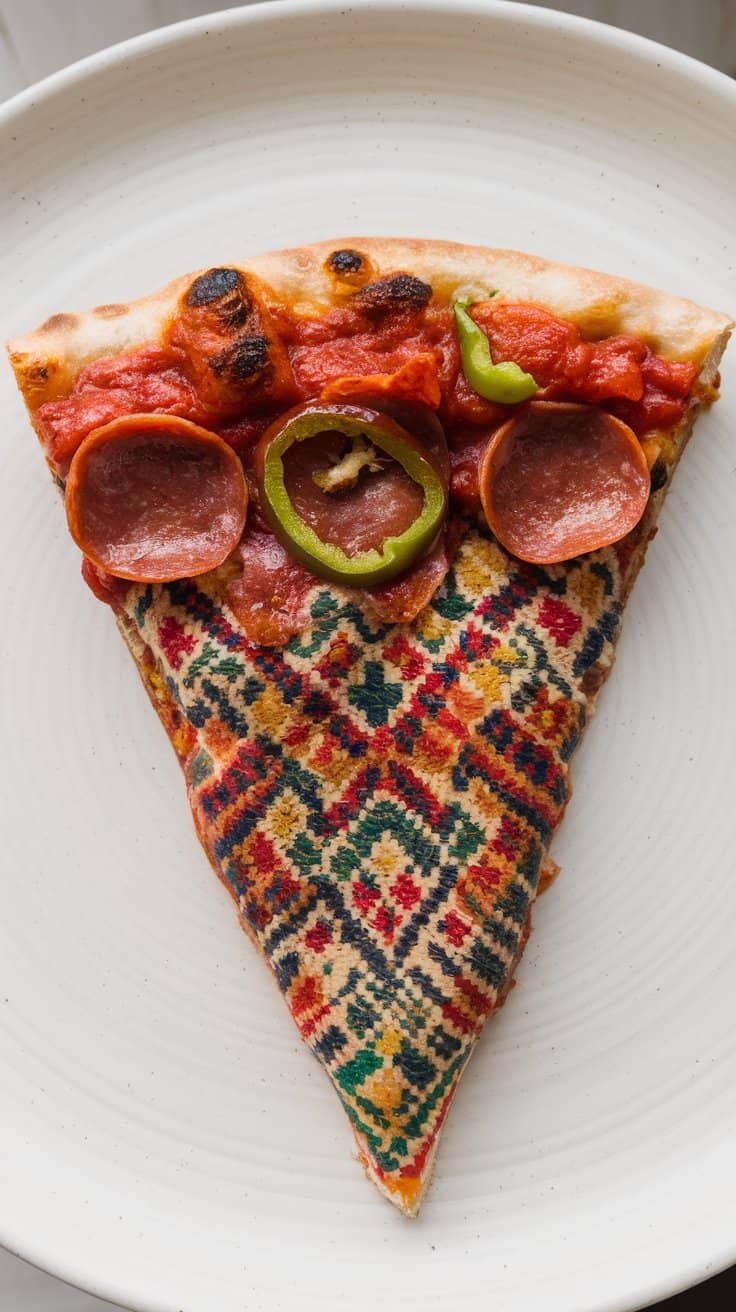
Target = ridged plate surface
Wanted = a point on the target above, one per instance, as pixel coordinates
(165, 1140)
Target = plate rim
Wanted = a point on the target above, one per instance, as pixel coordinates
(263, 10)
(604, 35)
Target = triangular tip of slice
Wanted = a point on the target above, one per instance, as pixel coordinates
(403, 1189)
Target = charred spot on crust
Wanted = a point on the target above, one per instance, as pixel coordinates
(343, 262)
(241, 361)
(225, 291)
(213, 285)
(401, 291)
(658, 476)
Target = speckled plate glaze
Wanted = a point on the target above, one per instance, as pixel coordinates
(165, 1140)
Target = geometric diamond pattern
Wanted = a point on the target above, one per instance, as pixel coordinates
(378, 800)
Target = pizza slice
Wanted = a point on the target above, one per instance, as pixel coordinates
(367, 515)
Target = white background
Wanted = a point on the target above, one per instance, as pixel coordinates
(39, 36)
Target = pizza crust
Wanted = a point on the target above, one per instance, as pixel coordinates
(47, 360)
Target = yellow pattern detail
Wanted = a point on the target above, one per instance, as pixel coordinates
(387, 857)
(506, 655)
(587, 589)
(488, 679)
(389, 1043)
(269, 710)
(287, 816)
(477, 568)
(431, 626)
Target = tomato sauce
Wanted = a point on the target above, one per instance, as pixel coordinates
(410, 352)
(148, 380)
(618, 370)
(619, 373)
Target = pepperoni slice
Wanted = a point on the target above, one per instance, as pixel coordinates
(561, 479)
(401, 600)
(153, 498)
(269, 594)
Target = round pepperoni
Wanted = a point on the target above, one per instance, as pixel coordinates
(560, 479)
(153, 498)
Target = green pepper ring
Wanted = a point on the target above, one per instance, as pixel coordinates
(325, 558)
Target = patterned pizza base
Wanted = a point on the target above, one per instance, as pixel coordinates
(379, 800)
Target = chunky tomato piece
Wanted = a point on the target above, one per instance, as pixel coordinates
(345, 344)
(666, 387)
(536, 341)
(620, 373)
(147, 380)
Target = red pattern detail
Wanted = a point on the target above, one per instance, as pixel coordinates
(318, 936)
(405, 891)
(175, 641)
(386, 922)
(480, 1004)
(455, 928)
(491, 767)
(340, 815)
(408, 660)
(484, 877)
(457, 1018)
(452, 724)
(415, 795)
(364, 897)
(262, 853)
(340, 656)
(559, 621)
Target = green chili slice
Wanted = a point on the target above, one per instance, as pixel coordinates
(504, 382)
(362, 426)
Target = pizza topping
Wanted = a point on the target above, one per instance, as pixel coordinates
(416, 380)
(646, 391)
(504, 382)
(467, 444)
(104, 586)
(666, 387)
(231, 344)
(561, 479)
(235, 356)
(400, 601)
(349, 492)
(134, 382)
(153, 498)
(418, 420)
(269, 594)
(344, 475)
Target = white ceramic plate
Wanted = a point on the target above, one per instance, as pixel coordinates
(165, 1139)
